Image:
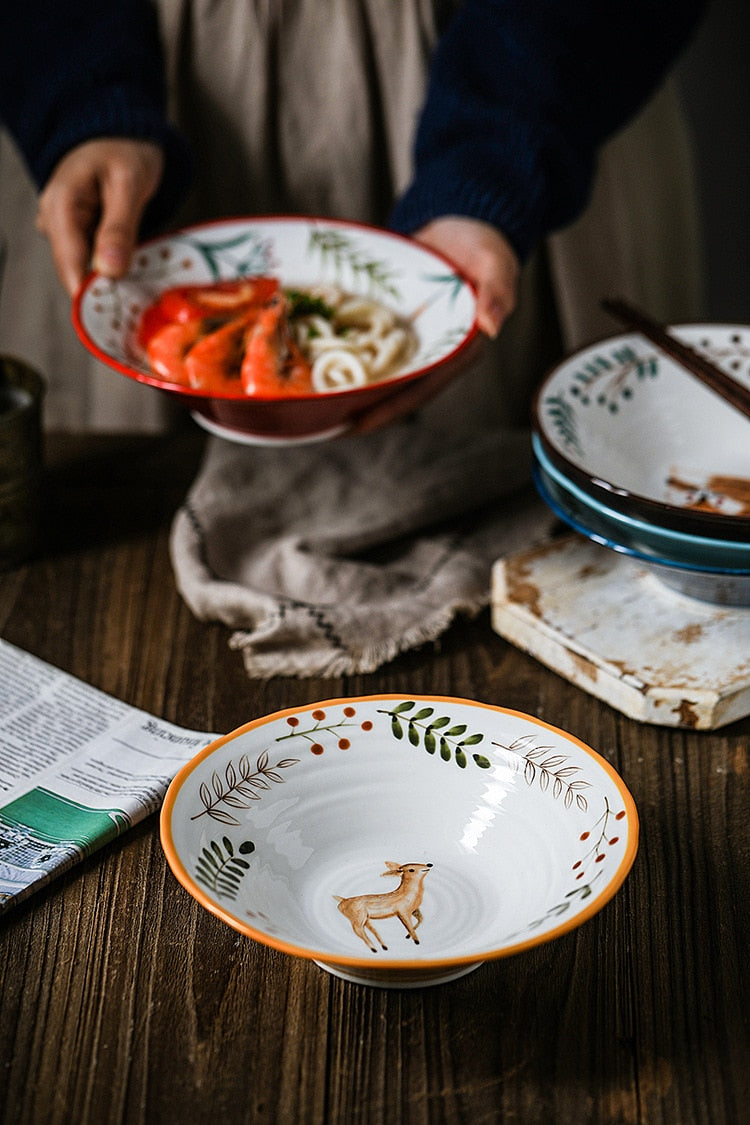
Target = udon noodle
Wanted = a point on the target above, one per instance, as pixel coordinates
(360, 341)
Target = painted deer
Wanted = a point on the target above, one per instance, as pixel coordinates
(403, 903)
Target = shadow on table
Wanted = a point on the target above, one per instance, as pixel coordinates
(102, 489)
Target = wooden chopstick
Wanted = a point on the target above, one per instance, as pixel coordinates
(713, 377)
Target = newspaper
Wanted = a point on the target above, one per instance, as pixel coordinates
(77, 768)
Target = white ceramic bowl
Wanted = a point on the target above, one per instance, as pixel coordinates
(414, 282)
(720, 585)
(643, 436)
(495, 832)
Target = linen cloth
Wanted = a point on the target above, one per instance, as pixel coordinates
(331, 559)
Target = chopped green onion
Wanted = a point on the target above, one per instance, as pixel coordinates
(303, 304)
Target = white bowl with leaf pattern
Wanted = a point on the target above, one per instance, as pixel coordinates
(398, 840)
(628, 424)
(416, 283)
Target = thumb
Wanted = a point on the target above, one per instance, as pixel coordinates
(116, 235)
(126, 188)
(495, 302)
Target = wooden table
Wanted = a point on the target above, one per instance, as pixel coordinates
(122, 1000)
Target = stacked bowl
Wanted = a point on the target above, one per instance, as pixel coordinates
(633, 452)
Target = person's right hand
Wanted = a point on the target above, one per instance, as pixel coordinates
(486, 257)
(92, 205)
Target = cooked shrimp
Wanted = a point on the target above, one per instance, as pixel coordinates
(250, 335)
(218, 301)
(230, 297)
(273, 363)
(168, 347)
(215, 360)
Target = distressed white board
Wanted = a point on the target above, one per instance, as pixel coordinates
(608, 625)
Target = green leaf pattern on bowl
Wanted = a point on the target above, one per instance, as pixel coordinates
(221, 869)
(439, 734)
(245, 255)
(604, 380)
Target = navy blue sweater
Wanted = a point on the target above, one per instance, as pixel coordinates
(90, 68)
(521, 96)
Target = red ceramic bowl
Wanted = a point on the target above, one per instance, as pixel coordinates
(415, 283)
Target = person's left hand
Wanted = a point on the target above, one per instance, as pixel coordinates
(483, 255)
(487, 259)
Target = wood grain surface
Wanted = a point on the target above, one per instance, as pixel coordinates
(121, 1000)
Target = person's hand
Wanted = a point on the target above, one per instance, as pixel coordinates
(488, 260)
(92, 205)
(481, 253)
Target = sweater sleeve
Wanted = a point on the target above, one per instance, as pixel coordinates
(522, 94)
(94, 68)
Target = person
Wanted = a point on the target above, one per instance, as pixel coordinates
(512, 100)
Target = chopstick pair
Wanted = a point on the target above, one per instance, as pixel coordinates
(713, 377)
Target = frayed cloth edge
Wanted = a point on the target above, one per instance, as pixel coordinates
(304, 665)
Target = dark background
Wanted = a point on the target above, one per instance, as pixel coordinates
(714, 75)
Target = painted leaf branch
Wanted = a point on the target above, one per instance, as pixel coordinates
(240, 786)
(247, 253)
(619, 387)
(582, 892)
(563, 418)
(221, 869)
(541, 764)
(338, 249)
(453, 282)
(437, 734)
(313, 734)
(444, 343)
(597, 839)
(604, 380)
(604, 835)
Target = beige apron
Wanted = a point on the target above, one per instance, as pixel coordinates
(310, 106)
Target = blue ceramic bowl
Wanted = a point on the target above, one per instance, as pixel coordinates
(649, 539)
(720, 585)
